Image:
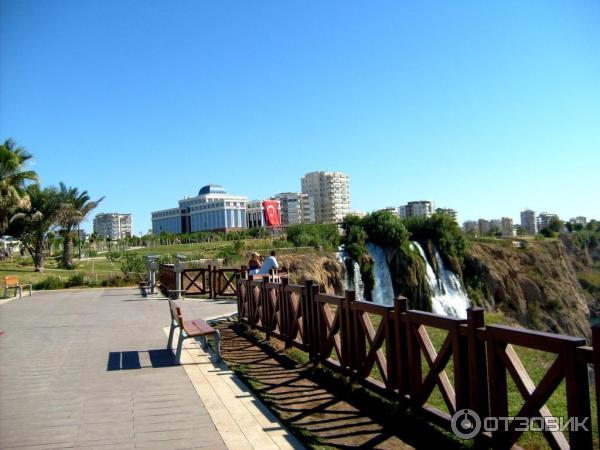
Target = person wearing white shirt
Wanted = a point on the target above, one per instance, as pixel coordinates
(268, 264)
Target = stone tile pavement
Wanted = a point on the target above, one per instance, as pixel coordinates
(89, 369)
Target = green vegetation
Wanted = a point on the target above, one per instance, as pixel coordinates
(407, 268)
(324, 236)
(13, 181)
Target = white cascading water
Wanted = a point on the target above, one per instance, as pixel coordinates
(383, 291)
(449, 297)
(354, 281)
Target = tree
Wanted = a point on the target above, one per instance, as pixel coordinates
(13, 181)
(32, 225)
(556, 225)
(75, 207)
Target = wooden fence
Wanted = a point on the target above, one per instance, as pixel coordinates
(389, 350)
(212, 281)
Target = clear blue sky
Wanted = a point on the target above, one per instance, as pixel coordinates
(485, 107)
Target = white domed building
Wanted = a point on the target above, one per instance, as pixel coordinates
(213, 209)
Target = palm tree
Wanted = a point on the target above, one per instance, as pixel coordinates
(13, 180)
(75, 207)
(32, 225)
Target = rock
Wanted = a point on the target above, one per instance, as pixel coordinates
(536, 286)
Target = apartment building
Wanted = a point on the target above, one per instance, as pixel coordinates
(113, 225)
(544, 219)
(211, 210)
(470, 226)
(506, 226)
(296, 207)
(529, 221)
(420, 208)
(331, 194)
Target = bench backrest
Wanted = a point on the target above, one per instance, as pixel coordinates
(11, 281)
(176, 315)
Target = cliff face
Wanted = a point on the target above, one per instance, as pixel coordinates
(322, 268)
(536, 286)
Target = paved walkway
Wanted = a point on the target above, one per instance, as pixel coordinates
(89, 369)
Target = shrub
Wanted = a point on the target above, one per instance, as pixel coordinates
(132, 265)
(114, 281)
(51, 282)
(77, 279)
(326, 236)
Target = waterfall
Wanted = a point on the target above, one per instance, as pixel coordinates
(353, 281)
(449, 297)
(383, 291)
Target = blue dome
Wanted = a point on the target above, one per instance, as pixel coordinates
(212, 189)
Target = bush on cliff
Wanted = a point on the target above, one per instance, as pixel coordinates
(326, 236)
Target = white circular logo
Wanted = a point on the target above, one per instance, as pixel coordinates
(466, 423)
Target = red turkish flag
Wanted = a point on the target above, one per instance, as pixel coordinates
(271, 212)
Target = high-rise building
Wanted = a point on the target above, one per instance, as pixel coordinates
(420, 208)
(212, 209)
(544, 219)
(331, 193)
(113, 225)
(483, 226)
(579, 220)
(529, 221)
(470, 226)
(506, 226)
(296, 208)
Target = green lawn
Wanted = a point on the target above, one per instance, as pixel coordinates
(535, 362)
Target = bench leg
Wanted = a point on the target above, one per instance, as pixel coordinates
(5, 292)
(171, 332)
(30, 292)
(217, 338)
(203, 342)
(20, 289)
(179, 346)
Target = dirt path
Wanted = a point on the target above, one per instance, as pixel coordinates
(293, 392)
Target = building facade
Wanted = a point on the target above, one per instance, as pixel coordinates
(544, 219)
(296, 208)
(211, 210)
(470, 226)
(506, 226)
(113, 225)
(529, 221)
(420, 208)
(331, 194)
(259, 215)
(483, 227)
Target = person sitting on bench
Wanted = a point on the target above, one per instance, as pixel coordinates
(270, 263)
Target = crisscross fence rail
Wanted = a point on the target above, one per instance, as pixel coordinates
(214, 281)
(390, 351)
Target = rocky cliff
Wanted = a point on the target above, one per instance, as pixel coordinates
(321, 267)
(536, 285)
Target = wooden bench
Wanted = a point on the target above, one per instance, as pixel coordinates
(12, 282)
(191, 329)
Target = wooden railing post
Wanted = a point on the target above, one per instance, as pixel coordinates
(346, 329)
(498, 389)
(211, 292)
(357, 336)
(578, 400)
(284, 313)
(477, 372)
(399, 354)
(266, 319)
(414, 364)
(596, 359)
(310, 319)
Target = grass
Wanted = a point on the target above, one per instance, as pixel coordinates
(535, 362)
(99, 269)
